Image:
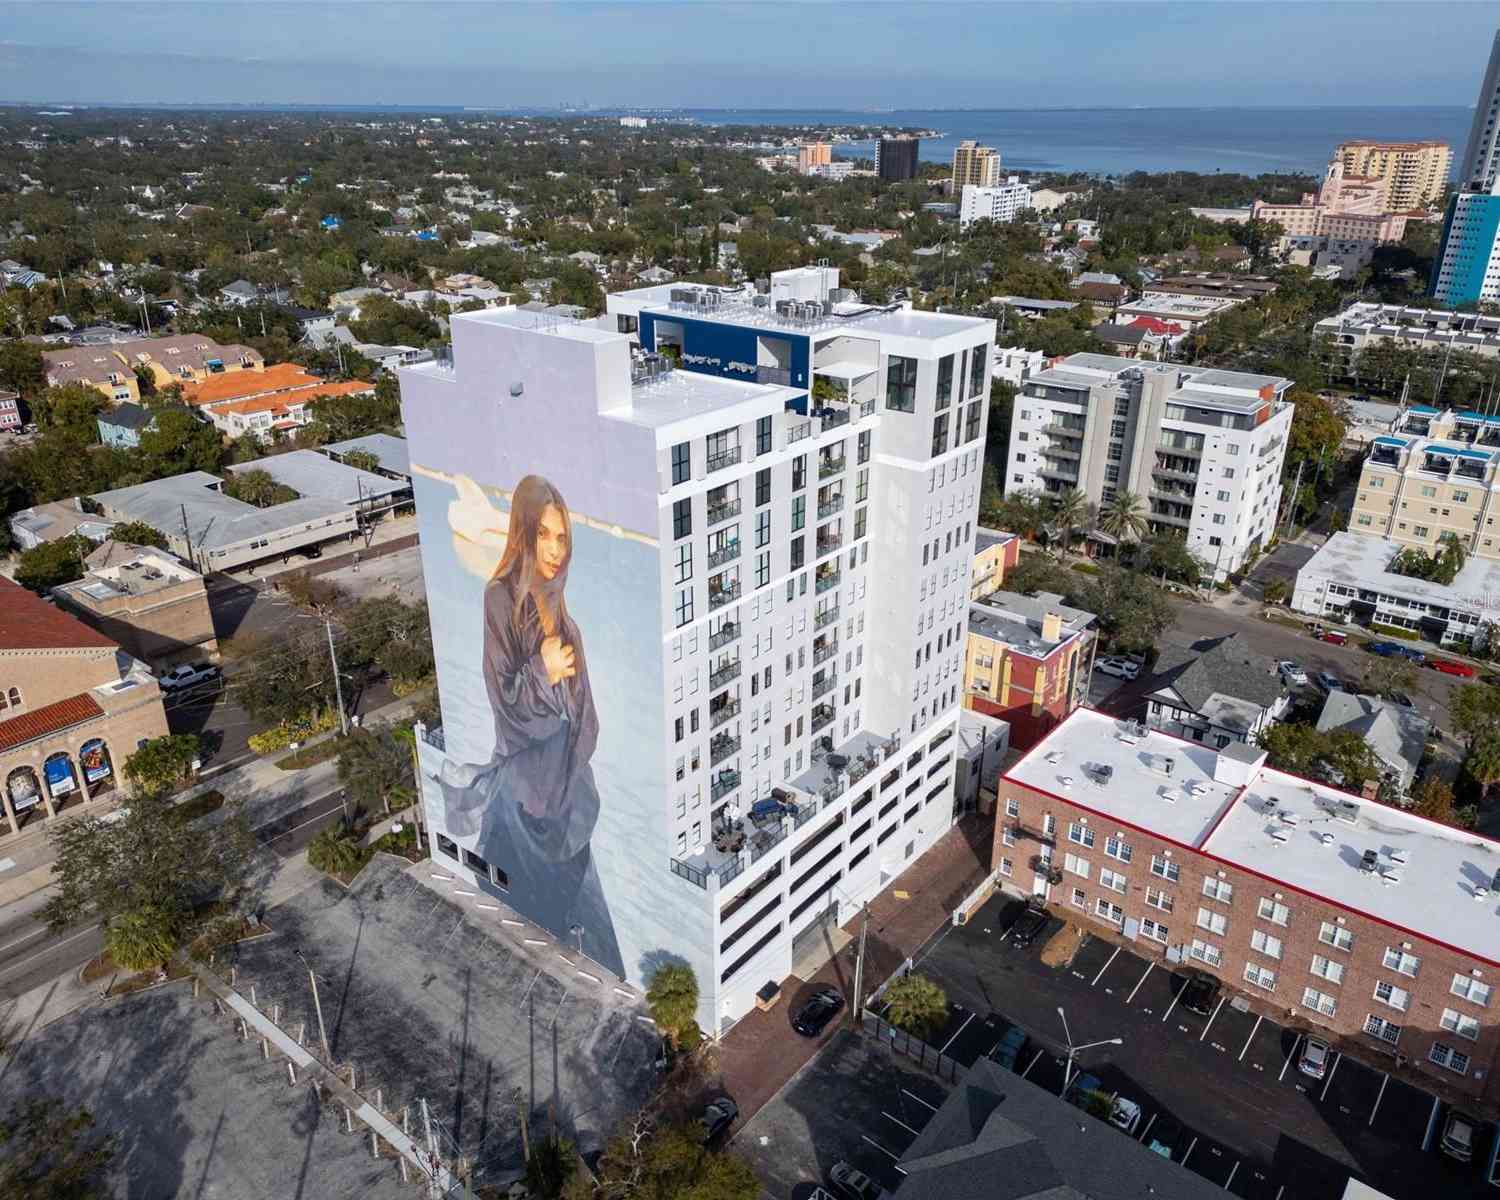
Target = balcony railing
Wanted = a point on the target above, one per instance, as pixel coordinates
(723, 511)
(717, 716)
(689, 872)
(827, 545)
(822, 717)
(823, 619)
(823, 686)
(766, 839)
(723, 596)
(803, 429)
(822, 654)
(830, 466)
(867, 409)
(830, 506)
(726, 782)
(723, 675)
(779, 375)
(721, 748)
(725, 458)
(832, 418)
(726, 553)
(826, 581)
(726, 634)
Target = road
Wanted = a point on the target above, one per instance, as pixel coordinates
(30, 955)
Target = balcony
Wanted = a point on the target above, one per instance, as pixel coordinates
(867, 408)
(1051, 472)
(724, 594)
(828, 467)
(727, 633)
(822, 717)
(830, 506)
(825, 581)
(823, 619)
(726, 553)
(723, 511)
(776, 375)
(828, 544)
(1057, 430)
(721, 748)
(821, 687)
(799, 431)
(824, 652)
(725, 783)
(832, 418)
(717, 716)
(724, 673)
(725, 458)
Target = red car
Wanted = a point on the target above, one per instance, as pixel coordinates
(1463, 670)
(1333, 636)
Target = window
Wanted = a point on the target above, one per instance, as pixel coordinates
(1112, 913)
(1080, 833)
(1460, 1023)
(763, 527)
(1379, 1027)
(1467, 988)
(684, 561)
(1320, 1002)
(684, 606)
(1218, 889)
(1079, 898)
(1165, 868)
(1113, 880)
(1075, 865)
(1389, 993)
(971, 421)
(862, 453)
(901, 384)
(1335, 935)
(1117, 429)
(1326, 968)
(1205, 952)
(682, 462)
(945, 382)
(1049, 825)
(1154, 930)
(1012, 807)
(625, 323)
(1399, 960)
(1006, 869)
(1263, 943)
(763, 486)
(1115, 848)
(799, 472)
(682, 518)
(1212, 921)
(763, 568)
(1260, 976)
(1446, 1056)
(940, 435)
(1157, 898)
(763, 435)
(1273, 911)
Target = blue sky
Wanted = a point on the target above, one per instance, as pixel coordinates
(816, 54)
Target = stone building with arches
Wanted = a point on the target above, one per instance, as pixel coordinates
(73, 707)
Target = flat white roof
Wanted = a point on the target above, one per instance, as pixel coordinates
(1424, 878)
(685, 395)
(1362, 561)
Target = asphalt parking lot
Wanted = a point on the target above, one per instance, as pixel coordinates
(1250, 1120)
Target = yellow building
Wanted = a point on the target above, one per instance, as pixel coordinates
(975, 164)
(183, 358)
(813, 154)
(1414, 174)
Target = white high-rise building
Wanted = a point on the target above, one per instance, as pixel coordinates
(1202, 449)
(1481, 163)
(698, 576)
(1002, 203)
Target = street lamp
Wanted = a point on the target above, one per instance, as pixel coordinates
(1073, 1050)
(317, 1004)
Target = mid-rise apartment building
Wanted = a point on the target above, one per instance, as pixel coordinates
(813, 154)
(975, 165)
(1413, 174)
(1368, 323)
(1202, 448)
(1467, 267)
(1350, 916)
(699, 582)
(182, 358)
(896, 158)
(1002, 202)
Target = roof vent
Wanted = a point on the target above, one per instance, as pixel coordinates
(1481, 893)
(1287, 817)
(1053, 756)
(1367, 862)
(1399, 855)
(1280, 835)
(1065, 780)
(1348, 811)
(1390, 875)
(1168, 795)
(1326, 838)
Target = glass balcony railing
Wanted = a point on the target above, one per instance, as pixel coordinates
(723, 674)
(725, 458)
(718, 598)
(723, 510)
(726, 633)
(726, 553)
(823, 619)
(830, 466)
(717, 716)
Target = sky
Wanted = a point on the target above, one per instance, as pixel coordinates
(701, 53)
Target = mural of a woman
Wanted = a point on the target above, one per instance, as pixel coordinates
(534, 803)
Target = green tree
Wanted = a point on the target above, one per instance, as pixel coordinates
(916, 1004)
(157, 767)
(74, 407)
(671, 1163)
(53, 563)
(49, 1152)
(1166, 555)
(257, 487)
(1474, 709)
(1338, 756)
(176, 442)
(361, 460)
(1133, 613)
(22, 369)
(1276, 591)
(375, 767)
(1068, 515)
(1482, 763)
(672, 996)
(138, 533)
(141, 939)
(1387, 676)
(336, 851)
(553, 1162)
(291, 682)
(1317, 431)
(1123, 517)
(1023, 513)
(1433, 799)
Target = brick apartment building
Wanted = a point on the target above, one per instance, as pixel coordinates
(73, 708)
(1376, 926)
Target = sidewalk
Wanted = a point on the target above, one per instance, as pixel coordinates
(761, 1052)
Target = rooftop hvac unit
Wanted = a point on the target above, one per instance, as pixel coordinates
(1101, 773)
(1368, 860)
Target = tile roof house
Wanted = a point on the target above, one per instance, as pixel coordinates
(1397, 735)
(181, 358)
(1215, 691)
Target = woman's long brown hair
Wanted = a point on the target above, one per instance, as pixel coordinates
(527, 504)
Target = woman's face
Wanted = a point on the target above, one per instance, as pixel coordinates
(551, 543)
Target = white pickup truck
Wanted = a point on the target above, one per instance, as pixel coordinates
(188, 675)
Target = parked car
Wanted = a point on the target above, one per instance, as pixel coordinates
(718, 1115)
(852, 1184)
(1008, 1050)
(1329, 682)
(1291, 673)
(1458, 1137)
(186, 676)
(1333, 637)
(1200, 994)
(1402, 699)
(1121, 668)
(1125, 1115)
(1449, 667)
(1164, 1136)
(1396, 650)
(1028, 927)
(813, 1017)
(1314, 1060)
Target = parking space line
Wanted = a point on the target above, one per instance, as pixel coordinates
(1289, 1057)
(956, 1032)
(895, 1158)
(1254, 1029)
(1191, 1147)
(1215, 1013)
(1379, 1096)
(1033, 1063)
(919, 1100)
(899, 1122)
(1431, 1123)
(1280, 1190)
(1328, 1083)
(1150, 966)
(1105, 967)
(1230, 1180)
(1173, 1005)
(1147, 1130)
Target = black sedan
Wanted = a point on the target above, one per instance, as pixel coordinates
(813, 1017)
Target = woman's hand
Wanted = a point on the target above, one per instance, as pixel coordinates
(558, 659)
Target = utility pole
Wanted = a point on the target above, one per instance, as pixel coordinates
(187, 539)
(856, 1009)
(338, 687)
(1291, 508)
(433, 1187)
(318, 1007)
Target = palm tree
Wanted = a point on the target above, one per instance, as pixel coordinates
(916, 1004)
(141, 939)
(1069, 514)
(1123, 517)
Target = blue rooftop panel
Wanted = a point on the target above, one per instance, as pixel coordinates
(1391, 441)
(1482, 454)
(1424, 409)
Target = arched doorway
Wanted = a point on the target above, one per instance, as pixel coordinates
(62, 779)
(23, 790)
(98, 768)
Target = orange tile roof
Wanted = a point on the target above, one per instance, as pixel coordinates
(27, 622)
(282, 400)
(239, 385)
(50, 718)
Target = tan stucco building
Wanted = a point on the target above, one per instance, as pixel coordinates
(1412, 174)
(183, 358)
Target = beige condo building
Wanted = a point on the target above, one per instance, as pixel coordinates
(975, 165)
(1413, 174)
